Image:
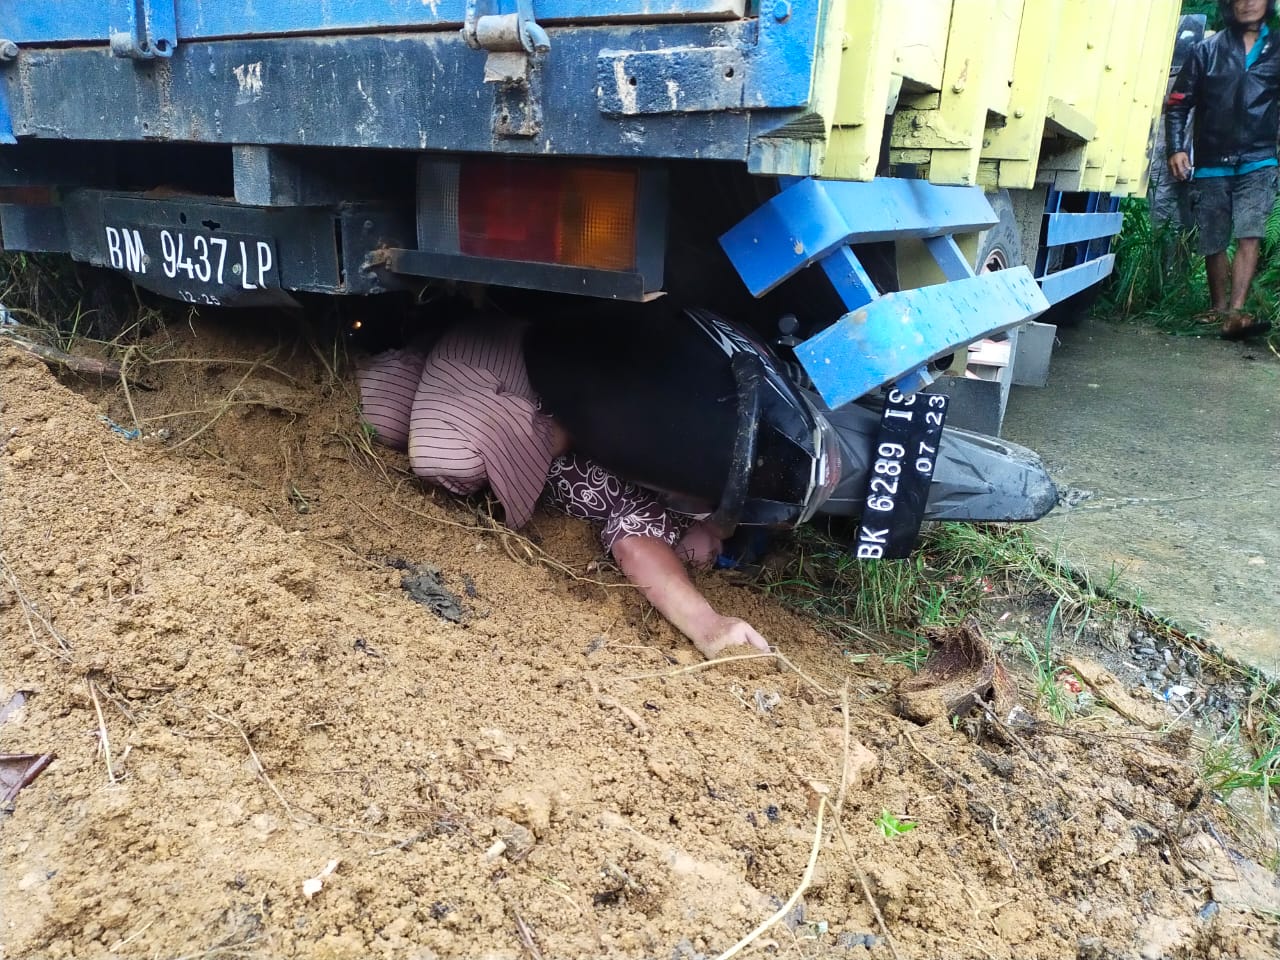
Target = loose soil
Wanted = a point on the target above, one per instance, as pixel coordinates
(211, 625)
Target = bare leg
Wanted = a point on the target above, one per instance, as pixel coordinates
(1218, 267)
(1243, 268)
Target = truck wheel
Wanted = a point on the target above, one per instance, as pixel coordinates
(1001, 246)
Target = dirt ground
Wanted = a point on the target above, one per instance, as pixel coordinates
(210, 624)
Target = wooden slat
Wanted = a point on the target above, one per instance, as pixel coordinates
(1002, 52)
(1078, 66)
(1017, 143)
(828, 73)
(1080, 56)
(921, 52)
(1157, 52)
(963, 103)
(953, 129)
(866, 79)
(1004, 93)
(1066, 120)
(1115, 97)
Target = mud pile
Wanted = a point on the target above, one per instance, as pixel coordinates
(210, 623)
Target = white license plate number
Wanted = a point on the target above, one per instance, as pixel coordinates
(201, 267)
(906, 453)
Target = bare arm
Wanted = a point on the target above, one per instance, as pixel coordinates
(638, 532)
(653, 566)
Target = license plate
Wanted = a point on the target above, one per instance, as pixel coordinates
(901, 471)
(198, 266)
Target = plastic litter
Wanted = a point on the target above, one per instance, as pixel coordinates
(126, 432)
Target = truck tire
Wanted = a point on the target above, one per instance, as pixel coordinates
(1072, 311)
(1000, 247)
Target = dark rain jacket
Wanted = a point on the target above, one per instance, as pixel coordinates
(1236, 110)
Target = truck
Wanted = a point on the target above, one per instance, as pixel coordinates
(884, 194)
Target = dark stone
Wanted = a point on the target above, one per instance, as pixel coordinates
(424, 586)
(851, 941)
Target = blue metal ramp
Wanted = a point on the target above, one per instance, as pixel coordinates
(883, 338)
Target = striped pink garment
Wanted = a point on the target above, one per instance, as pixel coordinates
(465, 413)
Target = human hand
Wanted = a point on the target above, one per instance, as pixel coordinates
(699, 546)
(1180, 165)
(721, 633)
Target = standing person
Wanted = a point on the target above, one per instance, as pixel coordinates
(1232, 81)
(1170, 199)
(468, 417)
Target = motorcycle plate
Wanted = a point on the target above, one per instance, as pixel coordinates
(898, 487)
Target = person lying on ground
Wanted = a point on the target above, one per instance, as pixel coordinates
(468, 417)
(1232, 81)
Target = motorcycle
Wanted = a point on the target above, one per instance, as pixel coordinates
(704, 413)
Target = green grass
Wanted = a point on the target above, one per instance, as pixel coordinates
(40, 290)
(912, 657)
(883, 604)
(1045, 669)
(1248, 755)
(49, 296)
(1157, 279)
(1160, 281)
(1256, 773)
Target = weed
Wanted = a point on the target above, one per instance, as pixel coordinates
(1154, 277)
(1259, 734)
(892, 826)
(301, 503)
(1260, 773)
(1247, 755)
(914, 656)
(1159, 280)
(38, 291)
(69, 306)
(1272, 861)
(1265, 296)
(956, 569)
(1045, 670)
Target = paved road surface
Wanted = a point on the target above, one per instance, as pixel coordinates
(1177, 441)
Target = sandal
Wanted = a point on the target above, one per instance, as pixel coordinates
(1210, 317)
(1239, 325)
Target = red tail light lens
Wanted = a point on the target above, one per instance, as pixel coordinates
(508, 212)
(569, 214)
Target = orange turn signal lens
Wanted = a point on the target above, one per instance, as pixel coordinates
(598, 218)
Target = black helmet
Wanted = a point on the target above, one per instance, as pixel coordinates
(1228, 14)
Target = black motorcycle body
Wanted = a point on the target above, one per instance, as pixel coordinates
(701, 411)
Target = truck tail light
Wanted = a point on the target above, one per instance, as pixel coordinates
(574, 215)
(596, 228)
